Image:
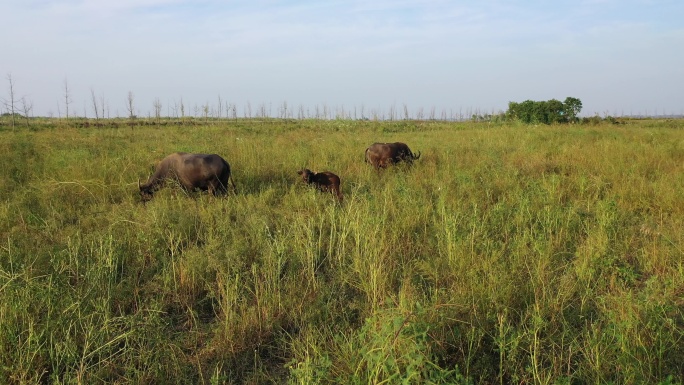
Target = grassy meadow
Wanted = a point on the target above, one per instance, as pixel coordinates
(506, 254)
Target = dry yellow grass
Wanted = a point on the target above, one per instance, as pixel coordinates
(507, 253)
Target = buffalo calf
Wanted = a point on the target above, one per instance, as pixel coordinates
(324, 181)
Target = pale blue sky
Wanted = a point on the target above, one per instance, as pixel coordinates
(617, 56)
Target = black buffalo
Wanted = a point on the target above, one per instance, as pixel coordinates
(381, 155)
(324, 181)
(206, 172)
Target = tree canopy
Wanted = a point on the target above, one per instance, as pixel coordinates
(546, 112)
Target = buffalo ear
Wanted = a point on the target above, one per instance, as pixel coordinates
(300, 172)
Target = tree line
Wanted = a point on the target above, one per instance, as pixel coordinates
(530, 112)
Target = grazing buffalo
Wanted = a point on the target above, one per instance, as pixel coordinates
(381, 155)
(206, 172)
(324, 181)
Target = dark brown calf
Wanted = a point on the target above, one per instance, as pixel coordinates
(324, 181)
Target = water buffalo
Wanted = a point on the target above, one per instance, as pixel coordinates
(206, 172)
(381, 155)
(324, 181)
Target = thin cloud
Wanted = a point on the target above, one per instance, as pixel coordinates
(434, 52)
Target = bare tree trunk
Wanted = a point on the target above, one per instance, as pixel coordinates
(205, 110)
(157, 110)
(10, 104)
(130, 107)
(283, 110)
(26, 108)
(102, 106)
(94, 99)
(67, 99)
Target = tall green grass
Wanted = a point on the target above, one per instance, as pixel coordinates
(506, 254)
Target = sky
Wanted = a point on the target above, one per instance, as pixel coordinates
(619, 57)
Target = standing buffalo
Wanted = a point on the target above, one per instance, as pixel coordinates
(381, 155)
(324, 181)
(206, 172)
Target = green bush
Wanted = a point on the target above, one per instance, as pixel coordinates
(545, 112)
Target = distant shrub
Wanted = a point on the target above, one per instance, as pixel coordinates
(9, 115)
(545, 112)
(494, 118)
(595, 120)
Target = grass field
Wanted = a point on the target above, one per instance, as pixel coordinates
(507, 254)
